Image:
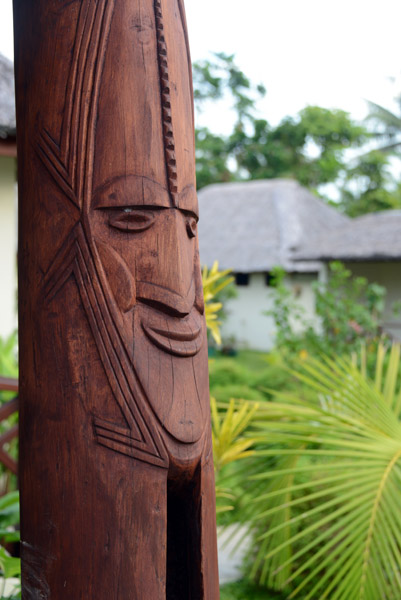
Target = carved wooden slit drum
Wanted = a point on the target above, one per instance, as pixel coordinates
(116, 467)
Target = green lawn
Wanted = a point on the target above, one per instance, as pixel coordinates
(243, 590)
(249, 375)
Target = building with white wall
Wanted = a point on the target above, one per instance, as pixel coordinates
(252, 227)
(370, 246)
(8, 201)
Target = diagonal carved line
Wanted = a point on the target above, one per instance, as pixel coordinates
(100, 57)
(122, 432)
(56, 159)
(129, 441)
(117, 349)
(133, 452)
(70, 118)
(81, 100)
(115, 374)
(189, 62)
(54, 148)
(138, 441)
(98, 333)
(114, 434)
(53, 165)
(93, 61)
(111, 361)
(68, 164)
(61, 267)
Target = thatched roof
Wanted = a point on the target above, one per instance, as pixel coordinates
(7, 100)
(257, 225)
(376, 236)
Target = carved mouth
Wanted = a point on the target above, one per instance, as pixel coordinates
(181, 337)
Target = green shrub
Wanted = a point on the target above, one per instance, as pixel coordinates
(227, 371)
(348, 310)
(8, 363)
(244, 590)
(225, 393)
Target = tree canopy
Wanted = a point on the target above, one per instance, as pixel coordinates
(317, 146)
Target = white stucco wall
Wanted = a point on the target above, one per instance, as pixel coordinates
(8, 246)
(387, 274)
(246, 322)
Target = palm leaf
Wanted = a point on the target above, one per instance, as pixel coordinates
(385, 116)
(326, 516)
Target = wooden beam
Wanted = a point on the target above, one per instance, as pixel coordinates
(8, 147)
(116, 467)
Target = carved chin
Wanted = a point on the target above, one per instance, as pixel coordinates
(180, 337)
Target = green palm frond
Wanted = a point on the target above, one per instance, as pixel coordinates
(384, 116)
(326, 512)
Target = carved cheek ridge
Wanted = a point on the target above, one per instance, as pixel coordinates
(119, 277)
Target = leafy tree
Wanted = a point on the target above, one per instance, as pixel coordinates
(212, 158)
(370, 186)
(220, 78)
(214, 80)
(348, 309)
(311, 147)
(387, 126)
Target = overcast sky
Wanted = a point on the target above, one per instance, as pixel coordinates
(332, 54)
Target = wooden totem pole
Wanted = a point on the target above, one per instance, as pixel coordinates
(117, 484)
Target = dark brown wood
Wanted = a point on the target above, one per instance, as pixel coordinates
(117, 482)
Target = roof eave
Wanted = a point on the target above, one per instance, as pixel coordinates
(349, 258)
(8, 147)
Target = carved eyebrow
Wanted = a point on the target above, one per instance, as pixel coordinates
(189, 213)
(129, 207)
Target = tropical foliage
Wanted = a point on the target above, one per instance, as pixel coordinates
(8, 362)
(229, 443)
(388, 126)
(214, 281)
(315, 146)
(10, 566)
(325, 514)
(348, 309)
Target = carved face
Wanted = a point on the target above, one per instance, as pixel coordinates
(125, 160)
(148, 253)
(141, 211)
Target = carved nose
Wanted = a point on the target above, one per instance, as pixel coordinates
(168, 282)
(166, 299)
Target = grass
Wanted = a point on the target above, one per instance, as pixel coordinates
(249, 375)
(243, 590)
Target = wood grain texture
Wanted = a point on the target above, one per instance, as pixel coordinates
(116, 467)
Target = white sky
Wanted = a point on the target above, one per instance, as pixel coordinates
(332, 54)
(323, 52)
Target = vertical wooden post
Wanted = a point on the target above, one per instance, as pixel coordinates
(117, 490)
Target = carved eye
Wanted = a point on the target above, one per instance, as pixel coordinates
(191, 227)
(130, 219)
